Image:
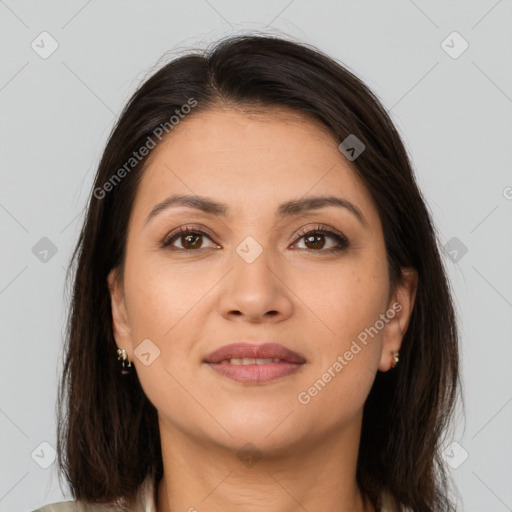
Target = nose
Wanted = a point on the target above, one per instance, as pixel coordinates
(256, 291)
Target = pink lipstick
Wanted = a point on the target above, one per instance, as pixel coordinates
(253, 364)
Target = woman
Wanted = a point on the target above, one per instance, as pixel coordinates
(259, 261)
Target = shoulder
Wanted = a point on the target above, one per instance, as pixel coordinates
(77, 506)
(389, 503)
(144, 502)
(63, 506)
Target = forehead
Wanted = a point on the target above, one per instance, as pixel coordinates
(249, 159)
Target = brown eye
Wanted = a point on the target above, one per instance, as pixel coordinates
(191, 239)
(315, 240)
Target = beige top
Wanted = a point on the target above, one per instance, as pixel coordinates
(145, 502)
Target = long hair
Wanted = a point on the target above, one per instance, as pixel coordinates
(108, 437)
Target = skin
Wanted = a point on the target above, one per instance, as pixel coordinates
(193, 301)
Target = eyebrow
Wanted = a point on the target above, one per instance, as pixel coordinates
(287, 209)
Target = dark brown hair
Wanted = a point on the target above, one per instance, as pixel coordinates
(108, 436)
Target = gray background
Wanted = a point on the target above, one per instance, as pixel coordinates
(454, 116)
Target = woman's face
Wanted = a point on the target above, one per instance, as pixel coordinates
(249, 272)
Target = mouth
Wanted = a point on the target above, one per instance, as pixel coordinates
(253, 364)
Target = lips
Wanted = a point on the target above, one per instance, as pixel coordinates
(255, 364)
(254, 351)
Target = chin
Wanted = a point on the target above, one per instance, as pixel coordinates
(272, 428)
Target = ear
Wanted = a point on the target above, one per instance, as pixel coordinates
(120, 324)
(401, 303)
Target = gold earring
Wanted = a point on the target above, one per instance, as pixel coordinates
(126, 366)
(395, 359)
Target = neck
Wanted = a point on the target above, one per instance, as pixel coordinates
(200, 476)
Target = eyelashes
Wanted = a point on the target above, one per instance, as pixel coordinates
(194, 237)
(181, 233)
(324, 231)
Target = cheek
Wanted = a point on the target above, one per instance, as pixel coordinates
(347, 348)
(162, 294)
(164, 302)
(349, 300)
(348, 297)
